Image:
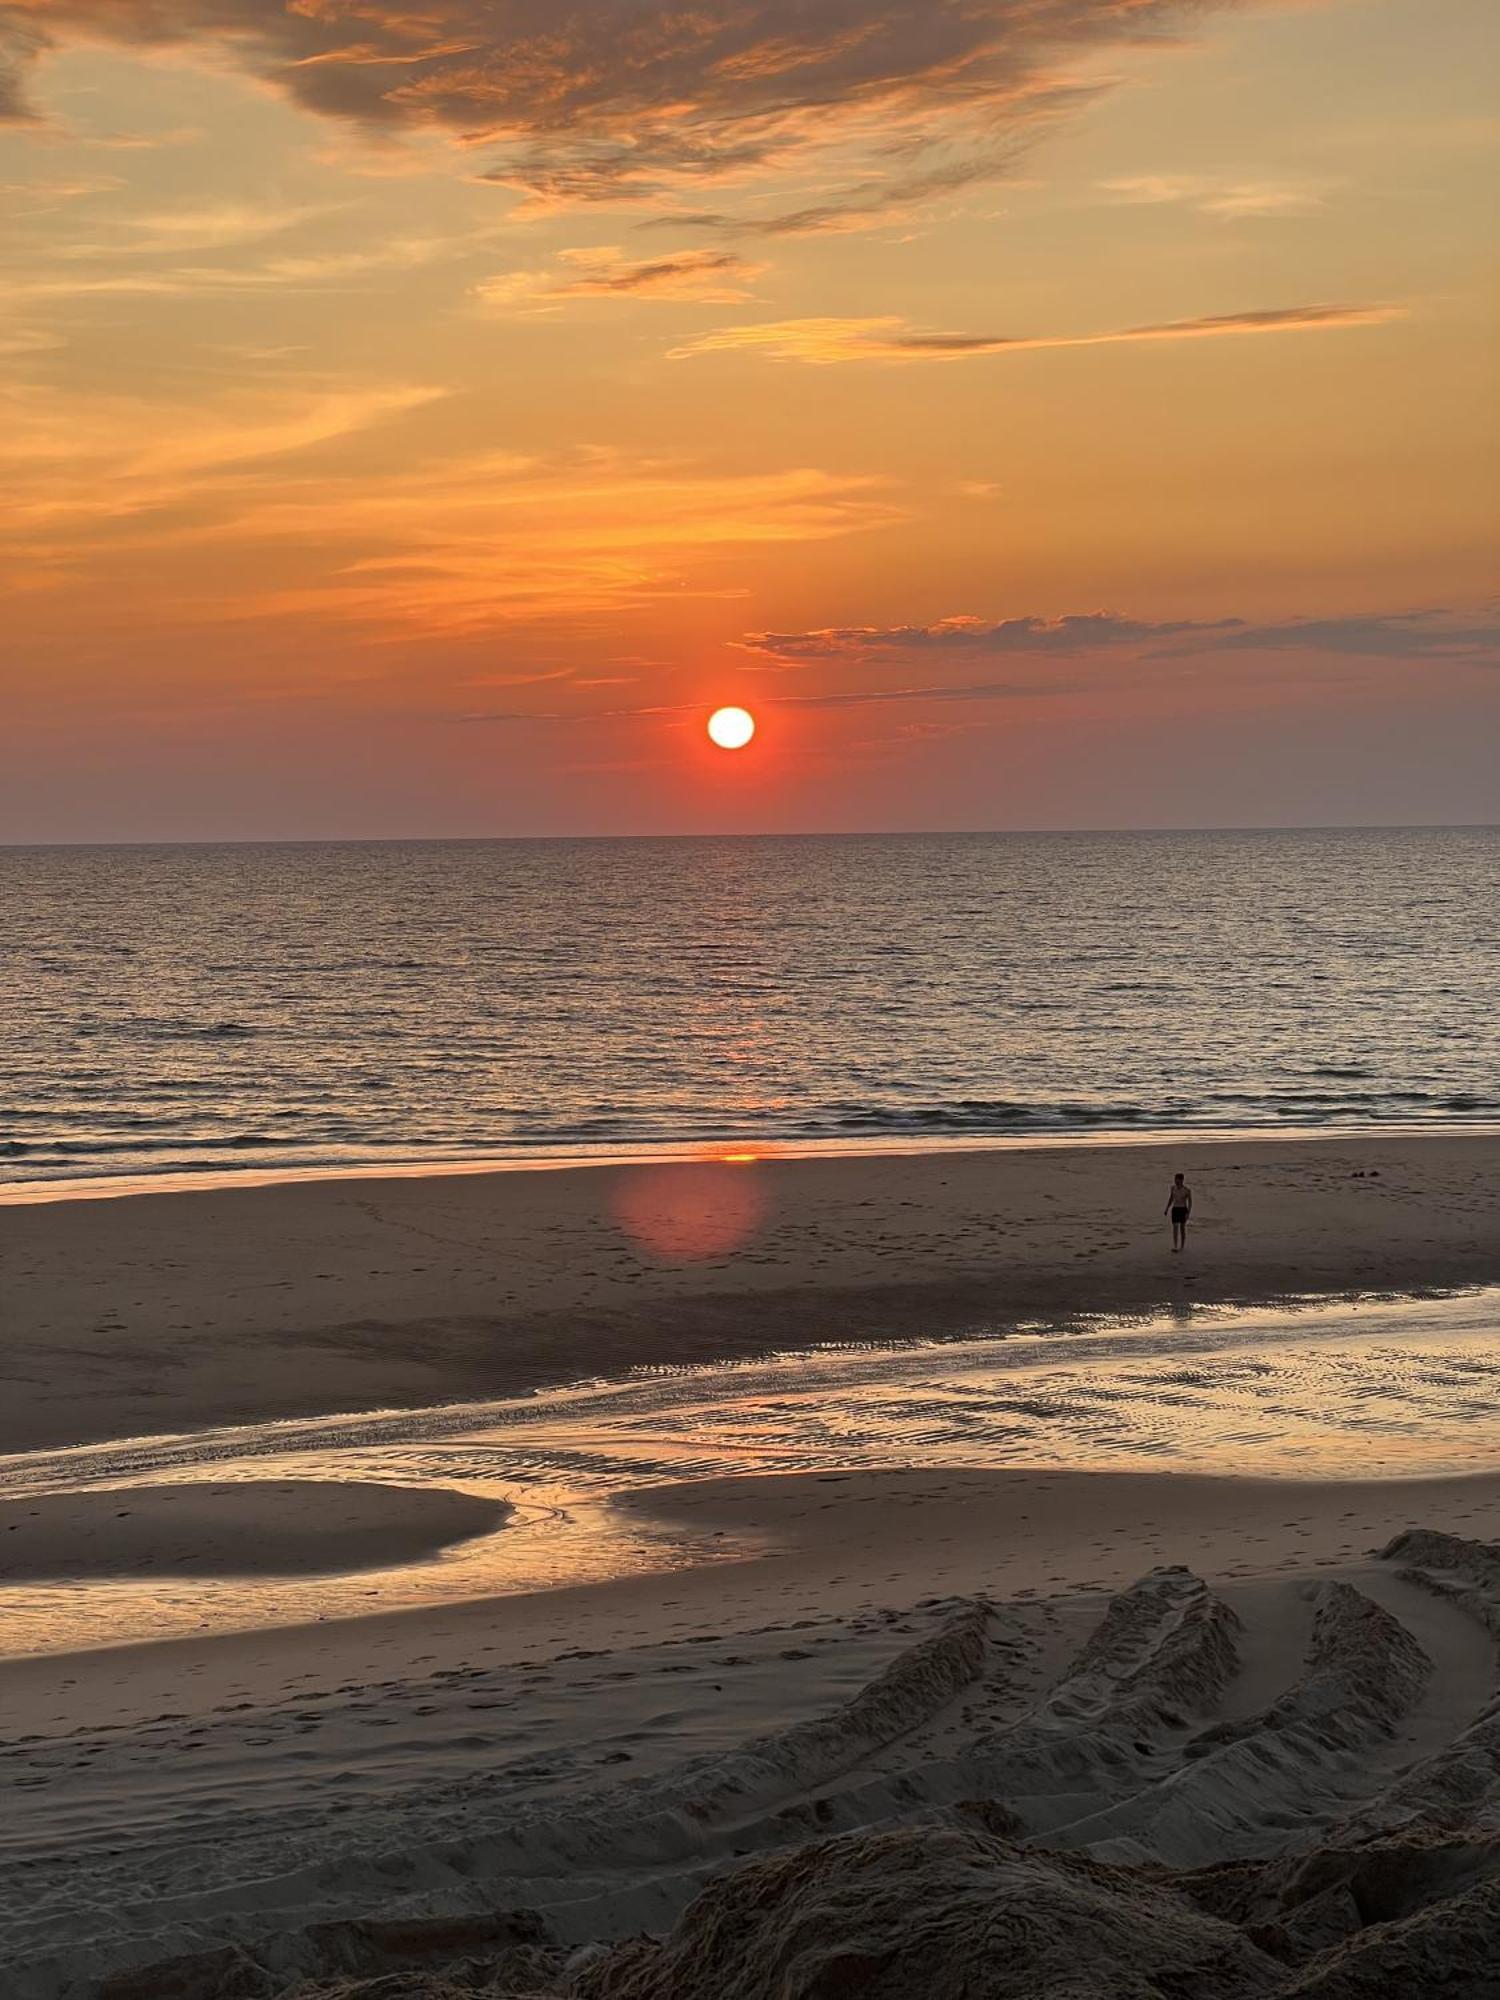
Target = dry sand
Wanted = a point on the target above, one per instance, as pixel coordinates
(164, 1312)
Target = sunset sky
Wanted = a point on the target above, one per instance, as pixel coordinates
(420, 413)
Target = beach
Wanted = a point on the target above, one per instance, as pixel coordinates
(749, 1135)
(517, 1577)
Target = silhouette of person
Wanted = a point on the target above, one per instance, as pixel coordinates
(1179, 1207)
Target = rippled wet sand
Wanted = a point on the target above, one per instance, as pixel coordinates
(1376, 1388)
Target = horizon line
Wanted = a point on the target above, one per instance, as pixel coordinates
(791, 833)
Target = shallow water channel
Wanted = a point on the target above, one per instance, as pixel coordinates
(1371, 1388)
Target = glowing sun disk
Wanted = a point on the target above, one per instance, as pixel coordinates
(731, 728)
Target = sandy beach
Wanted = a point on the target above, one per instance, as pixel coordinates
(1189, 1714)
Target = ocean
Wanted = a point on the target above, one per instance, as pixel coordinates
(188, 1009)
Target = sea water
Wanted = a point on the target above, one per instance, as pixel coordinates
(305, 1006)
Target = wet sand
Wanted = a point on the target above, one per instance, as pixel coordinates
(287, 1527)
(165, 1312)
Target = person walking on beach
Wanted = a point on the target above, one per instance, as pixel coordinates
(1179, 1207)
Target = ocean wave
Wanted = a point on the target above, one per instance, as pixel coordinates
(107, 1147)
(972, 1115)
(333, 1150)
(135, 1028)
(157, 1144)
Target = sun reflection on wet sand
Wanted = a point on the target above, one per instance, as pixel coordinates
(690, 1213)
(1367, 1389)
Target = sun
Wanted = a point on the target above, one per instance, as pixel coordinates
(731, 728)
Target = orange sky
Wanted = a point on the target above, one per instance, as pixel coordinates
(419, 413)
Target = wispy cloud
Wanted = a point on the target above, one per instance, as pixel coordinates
(175, 231)
(976, 691)
(270, 502)
(961, 691)
(876, 201)
(325, 269)
(463, 544)
(1433, 634)
(687, 277)
(28, 340)
(1225, 198)
(46, 196)
(826, 342)
(144, 142)
(70, 463)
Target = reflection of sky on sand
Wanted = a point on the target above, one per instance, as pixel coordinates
(1375, 1388)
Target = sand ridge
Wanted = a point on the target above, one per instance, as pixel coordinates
(954, 1825)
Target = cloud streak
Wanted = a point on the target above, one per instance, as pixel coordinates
(1427, 634)
(829, 342)
(686, 277)
(980, 691)
(1434, 634)
(1224, 200)
(871, 203)
(82, 271)
(1079, 632)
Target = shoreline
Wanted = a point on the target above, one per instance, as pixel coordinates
(670, 1152)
